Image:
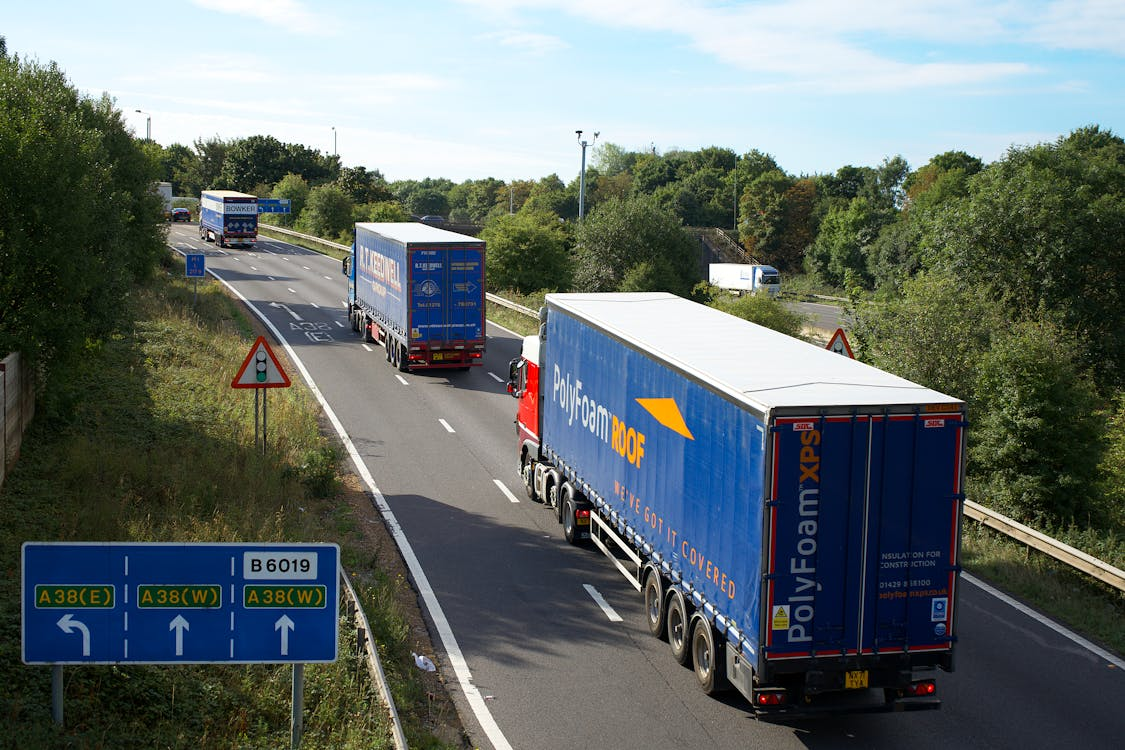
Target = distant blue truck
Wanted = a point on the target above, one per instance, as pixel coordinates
(419, 291)
(228, 218)
(791, 516)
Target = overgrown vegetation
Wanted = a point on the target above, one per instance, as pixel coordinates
(147, 442)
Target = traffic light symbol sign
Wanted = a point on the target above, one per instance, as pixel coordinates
(266, 371)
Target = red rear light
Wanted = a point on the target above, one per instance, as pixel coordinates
(475, 355)
(925, 687)
(771, 699)
(580, 513)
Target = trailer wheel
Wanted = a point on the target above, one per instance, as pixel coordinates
(654, 603)
(676, 623)
(570, 515)
(402, 359)
(705, 656)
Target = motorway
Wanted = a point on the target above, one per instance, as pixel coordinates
(545, 645)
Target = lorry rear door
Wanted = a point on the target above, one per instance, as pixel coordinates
(447, 294)
(863, 530)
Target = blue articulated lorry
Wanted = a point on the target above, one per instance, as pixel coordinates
(228, 218)
(419, 291)
(790, 516)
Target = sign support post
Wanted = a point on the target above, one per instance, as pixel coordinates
(297, 723)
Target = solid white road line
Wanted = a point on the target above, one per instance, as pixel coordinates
(601, 602)
(507, 493)
(425, 590)
(1100, 652)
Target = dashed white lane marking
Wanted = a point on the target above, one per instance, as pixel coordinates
(507, 493)
(601, 602)
(447, 426)
(403, 380)
(496, 377)
(368, 348)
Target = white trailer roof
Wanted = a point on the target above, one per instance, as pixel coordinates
(413, 231)
(749, 362)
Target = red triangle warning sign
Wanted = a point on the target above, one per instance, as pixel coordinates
(260, 369)
(839, 344)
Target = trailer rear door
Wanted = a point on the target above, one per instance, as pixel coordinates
(447, 295)
(863, 529)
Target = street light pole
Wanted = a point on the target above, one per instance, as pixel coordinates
(334, 140)
(148, 124)
(582, 174)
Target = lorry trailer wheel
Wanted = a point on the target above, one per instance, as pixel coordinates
(402, 360)
(654, 603)
(705, 657)
(570, 519)
(676, 623)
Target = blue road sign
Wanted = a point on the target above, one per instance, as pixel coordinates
(274, 205)
(164, 603)
(196, 265)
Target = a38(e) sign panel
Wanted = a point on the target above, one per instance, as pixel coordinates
(164, 603)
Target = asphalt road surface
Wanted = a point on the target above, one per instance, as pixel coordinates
(545, 644)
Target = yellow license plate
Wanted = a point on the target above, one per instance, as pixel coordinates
(855, 680)
(438, 356)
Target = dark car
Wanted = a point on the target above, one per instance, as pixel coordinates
(433, 220)
(181, 214)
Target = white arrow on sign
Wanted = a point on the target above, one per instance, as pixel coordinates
(179, 624)
(68, 624)
(284, 625)
(286, 309)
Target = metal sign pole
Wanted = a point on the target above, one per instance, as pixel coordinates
(256, 392)
(57, 694)
(297, 722)
(265, 393)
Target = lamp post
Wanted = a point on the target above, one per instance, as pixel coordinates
(582, 174)
(148, 124)
(334, 140)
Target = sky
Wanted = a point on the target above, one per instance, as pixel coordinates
(468, 89)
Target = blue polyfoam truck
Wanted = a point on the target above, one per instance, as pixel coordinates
(419, 291)
(790, 515)
(228, 218)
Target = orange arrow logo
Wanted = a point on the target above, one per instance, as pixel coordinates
(665, 411)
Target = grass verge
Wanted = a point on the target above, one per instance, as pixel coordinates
(148, 442)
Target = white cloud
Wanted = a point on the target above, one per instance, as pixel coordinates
(1096, 25)
(290, 15)
(820, 44)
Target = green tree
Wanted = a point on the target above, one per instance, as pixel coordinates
(617, 237)
(390, 210)
(934, 333)
(527, 252)
(79, 222)
(202, 171)
(296, 190)
(843, 243)
(761, 211)
(363, 185)
(1035, 446)
(254, 160)
(327, 213)
(1044, 229)
(549, 195)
